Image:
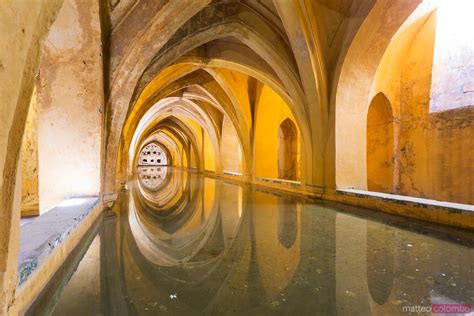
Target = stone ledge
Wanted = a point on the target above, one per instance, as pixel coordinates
(42, 235)
(446, 213)
(403, 199)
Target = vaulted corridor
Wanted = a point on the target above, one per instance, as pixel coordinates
(249, 156)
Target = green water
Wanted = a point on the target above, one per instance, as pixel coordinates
(185, 244)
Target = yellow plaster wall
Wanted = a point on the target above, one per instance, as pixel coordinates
(238, 83)
(231, 153)
(209, 153)
(402, 75)
(380, 146)
(271, 112)
(433, 150)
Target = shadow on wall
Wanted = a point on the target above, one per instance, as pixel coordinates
(287, 150)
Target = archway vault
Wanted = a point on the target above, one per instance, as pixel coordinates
(205, 63)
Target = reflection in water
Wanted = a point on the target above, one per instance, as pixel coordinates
(196, 245)
(287, 223)
(152, 177)
(380, 261)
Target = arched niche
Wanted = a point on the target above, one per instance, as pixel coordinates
(380, 145)
(287, 150)
(277, 138)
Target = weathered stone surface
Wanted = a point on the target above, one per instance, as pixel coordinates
(42, 235)
(70, 96)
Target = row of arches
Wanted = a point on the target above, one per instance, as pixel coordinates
(209, 139)
(247, 87)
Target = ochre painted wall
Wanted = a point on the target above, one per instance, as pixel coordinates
(209, 153)
(433, 150)
(271, 112)
(231, 154)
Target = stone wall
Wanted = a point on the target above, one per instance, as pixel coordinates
(70, 96)
(29, 163)
(23, 25)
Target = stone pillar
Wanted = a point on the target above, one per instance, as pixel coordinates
(70, 94)
(29, 163)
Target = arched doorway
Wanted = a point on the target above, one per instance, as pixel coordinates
(287, 150)
(380, 145)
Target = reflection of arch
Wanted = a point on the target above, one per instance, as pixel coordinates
(152, 177)
(287, 150)
(380, 145)
(152, 155)
(380, 261)
(287, 223)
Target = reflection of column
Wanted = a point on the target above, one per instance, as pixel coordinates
(352, 296)
(287, 223)
(113, 302)
(256, 292)
(230, 210)
(380, 261)
(313, 285)
(276, 262)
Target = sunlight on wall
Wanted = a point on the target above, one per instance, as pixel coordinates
(69, 93)
(432, 156)
(453, 78)
(404, 76)
(231, 153)
(209, 153)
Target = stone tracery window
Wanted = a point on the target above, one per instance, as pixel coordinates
(152, 154)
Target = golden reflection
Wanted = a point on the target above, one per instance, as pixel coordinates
(200, 245)
(277, 241)
(152, 177)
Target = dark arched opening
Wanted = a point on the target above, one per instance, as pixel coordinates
(287, 150)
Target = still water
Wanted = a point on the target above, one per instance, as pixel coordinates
(185, 244)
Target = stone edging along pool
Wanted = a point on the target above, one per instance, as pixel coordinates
(45, 243)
